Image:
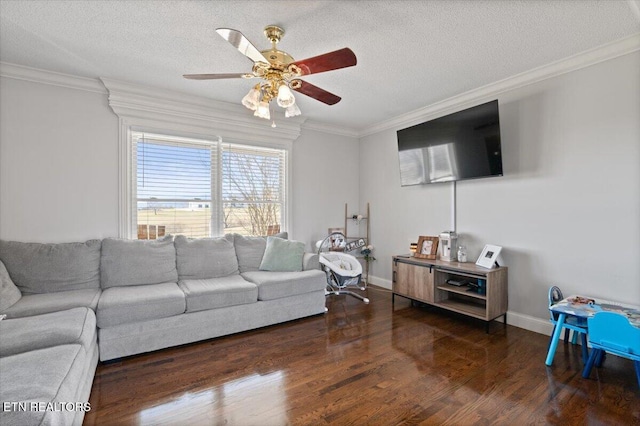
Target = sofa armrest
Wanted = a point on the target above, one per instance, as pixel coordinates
(310, 261)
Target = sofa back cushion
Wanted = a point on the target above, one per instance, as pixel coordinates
(201, 258)
(46, 268)
(137, 262)
(250, 251)
(9, 293)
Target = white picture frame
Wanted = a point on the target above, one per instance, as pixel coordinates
(489, 255)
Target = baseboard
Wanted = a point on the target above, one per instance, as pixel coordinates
(527, 322)
(537, 325)
(380, 282)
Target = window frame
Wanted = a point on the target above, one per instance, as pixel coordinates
(163, 111)
(128, 174)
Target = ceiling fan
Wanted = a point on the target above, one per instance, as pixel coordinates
(280, 73)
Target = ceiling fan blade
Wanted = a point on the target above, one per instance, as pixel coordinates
(214, 76)
(329, 61)
(240, 42)
(317, 93)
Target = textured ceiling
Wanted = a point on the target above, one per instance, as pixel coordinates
(410, 53)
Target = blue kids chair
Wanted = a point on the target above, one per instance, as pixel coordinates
(612, 332)
(578, 325)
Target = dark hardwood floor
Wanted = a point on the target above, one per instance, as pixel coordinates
(366, 364)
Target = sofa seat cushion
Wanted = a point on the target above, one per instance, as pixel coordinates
(121, 305)
(137, 262)
(73, 326)
(49, 375)
(200, 258)
(275, 285)
(218, 292)
(38, 304)
(46, 268)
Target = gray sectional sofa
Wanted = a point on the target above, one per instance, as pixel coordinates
(68, 304)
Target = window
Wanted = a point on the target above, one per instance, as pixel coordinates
(252, 189)
(202, 188)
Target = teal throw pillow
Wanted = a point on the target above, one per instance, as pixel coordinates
(282, 255)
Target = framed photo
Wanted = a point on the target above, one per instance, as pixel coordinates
(337, 241)
(488, 256)
(427, 248)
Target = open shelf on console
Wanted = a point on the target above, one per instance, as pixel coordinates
(464, 307)
(464, 290)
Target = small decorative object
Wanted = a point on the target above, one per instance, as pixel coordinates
(462, 254)
(579, 300)
(413, 248)
(356, 244)
(488, 256)
(337, 239)
(366, 252)
(448, 245)
(481, 287)
(357, 218)
(368, 257)
(427, 248)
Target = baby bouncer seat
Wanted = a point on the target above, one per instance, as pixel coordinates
(343, 270)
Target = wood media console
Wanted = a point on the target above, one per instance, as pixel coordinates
(464, 288)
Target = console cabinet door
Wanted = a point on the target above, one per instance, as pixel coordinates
(413, 281)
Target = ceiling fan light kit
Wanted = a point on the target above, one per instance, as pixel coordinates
(285, 97)
(262, 110)
(252, 99)
(280, 73)
(292, 111)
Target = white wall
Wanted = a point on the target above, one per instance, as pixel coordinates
(59, 168)
(325, 177)
(571, 148)
(571, 156)
(58, 163)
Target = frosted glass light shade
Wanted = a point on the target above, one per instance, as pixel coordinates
(262, 110)
(285, 97)
(292, 111)
(251, 99)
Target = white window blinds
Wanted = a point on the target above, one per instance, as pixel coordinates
(201, 188)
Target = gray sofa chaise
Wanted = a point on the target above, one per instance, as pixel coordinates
(68, 304)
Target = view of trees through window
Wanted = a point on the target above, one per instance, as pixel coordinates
(251, 190)
(204, 189)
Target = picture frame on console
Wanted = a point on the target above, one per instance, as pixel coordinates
(427, 247)
(488, 257)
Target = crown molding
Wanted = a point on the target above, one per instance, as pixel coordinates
(147, 100)
(330, 128)
(133, 100)
(156, 107)
(21, 72)
(130, 100)
(572, 63)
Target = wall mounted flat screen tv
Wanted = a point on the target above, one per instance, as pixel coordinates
(458, 146)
